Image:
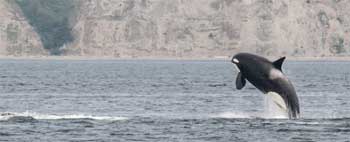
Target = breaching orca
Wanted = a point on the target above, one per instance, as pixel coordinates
(268, 78)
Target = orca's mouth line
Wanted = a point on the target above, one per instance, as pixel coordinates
(236, 67)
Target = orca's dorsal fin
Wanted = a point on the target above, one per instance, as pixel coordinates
(240, 81)
(278, 63)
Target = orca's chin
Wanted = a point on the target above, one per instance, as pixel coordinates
(237, 68)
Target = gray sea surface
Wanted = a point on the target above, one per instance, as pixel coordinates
(138, 100)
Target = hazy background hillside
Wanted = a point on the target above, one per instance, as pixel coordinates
(174, 28)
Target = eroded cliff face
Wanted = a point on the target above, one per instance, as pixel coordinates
(157, 28)
(204, 29)
(197, 28)
(17, 37)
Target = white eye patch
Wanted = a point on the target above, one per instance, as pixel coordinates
(235, 61)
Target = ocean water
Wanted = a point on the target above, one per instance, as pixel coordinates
(136, 100)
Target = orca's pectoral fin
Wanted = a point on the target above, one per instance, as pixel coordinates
(240, 81)
(278, 63)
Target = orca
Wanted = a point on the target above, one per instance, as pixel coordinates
(268, 77)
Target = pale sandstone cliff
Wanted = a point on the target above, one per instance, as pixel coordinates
(206, 28)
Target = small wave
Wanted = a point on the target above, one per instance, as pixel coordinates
(217, 85)
(11, 115)
(22, 119)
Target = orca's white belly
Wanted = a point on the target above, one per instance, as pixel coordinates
(275, 105)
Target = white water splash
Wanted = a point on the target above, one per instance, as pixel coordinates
(274, 108)
(249, 115)
(229, 115)
(38, 116)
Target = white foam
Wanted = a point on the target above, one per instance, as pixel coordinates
(229, 115)
(38, 116)
(274, 108)
(248, 115)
